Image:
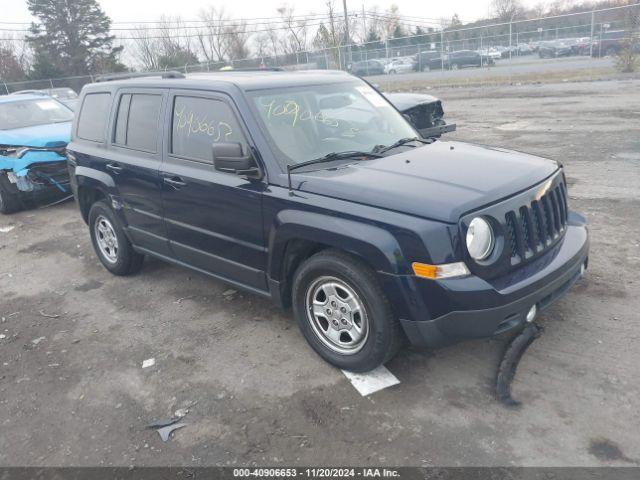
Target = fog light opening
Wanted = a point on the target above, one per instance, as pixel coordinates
(531, 314)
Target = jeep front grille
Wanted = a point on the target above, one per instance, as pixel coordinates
(534, 227)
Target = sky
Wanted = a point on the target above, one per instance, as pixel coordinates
(150, 10)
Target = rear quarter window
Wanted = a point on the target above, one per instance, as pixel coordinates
(142, 127)
(94, 116)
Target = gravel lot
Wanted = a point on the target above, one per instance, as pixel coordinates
(72, 390)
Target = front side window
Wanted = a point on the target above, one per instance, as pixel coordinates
(305, 123)
(198, 123)
(29, 113)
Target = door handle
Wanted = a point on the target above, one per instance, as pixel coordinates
(175, 182)
(114, 167)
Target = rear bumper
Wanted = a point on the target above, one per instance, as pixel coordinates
(479, 309)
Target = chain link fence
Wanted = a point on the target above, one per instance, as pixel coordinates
(592, 34)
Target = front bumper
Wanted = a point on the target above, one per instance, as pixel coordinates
(477, 308)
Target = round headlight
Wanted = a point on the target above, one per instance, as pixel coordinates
(479, 239)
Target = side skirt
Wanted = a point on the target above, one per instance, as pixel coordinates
(247, 288)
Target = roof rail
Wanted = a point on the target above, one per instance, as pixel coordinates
(251, 69)
(123, 76)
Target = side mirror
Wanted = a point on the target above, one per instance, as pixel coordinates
(229, 157)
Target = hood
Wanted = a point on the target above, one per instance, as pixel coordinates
(406, 101)
(37, 136)
(440, 181)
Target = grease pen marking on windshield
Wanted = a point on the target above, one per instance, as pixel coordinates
(291, 108)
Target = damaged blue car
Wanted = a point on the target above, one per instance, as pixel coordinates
(34, 132)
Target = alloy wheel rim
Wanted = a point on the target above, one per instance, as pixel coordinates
(337, 315)
(106, 239)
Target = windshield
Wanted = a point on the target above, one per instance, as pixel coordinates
(29, 113)
(305, 123)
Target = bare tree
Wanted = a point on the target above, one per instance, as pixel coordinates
(262, 45)
(212, 41)
(506, 10)
(390, 21)
(237, 38)
(13, 64)
(374, 25)
(274, 40)
(329, 37)
(295, 38)
(162, 46)
(145, 49)
(176, 47)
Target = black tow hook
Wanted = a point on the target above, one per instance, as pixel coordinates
(512, 356)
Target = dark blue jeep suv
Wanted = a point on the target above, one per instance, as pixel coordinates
(312, 189)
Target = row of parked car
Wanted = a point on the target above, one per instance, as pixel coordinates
(605, 44)
(428, 60)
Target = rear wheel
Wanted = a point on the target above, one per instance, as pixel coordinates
(343, 312)
(110, 242)
(9, 199)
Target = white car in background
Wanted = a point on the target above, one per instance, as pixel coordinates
(399, 65)
(492, 53)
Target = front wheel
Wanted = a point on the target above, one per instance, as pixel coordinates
(110, 242)
(343, 312)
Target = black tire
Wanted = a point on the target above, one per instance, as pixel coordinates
(385, 335)
(9, 196)
(126, 260)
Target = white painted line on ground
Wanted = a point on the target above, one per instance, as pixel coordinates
(150, 362)
(373, 381)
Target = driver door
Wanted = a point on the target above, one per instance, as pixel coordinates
(213, 218)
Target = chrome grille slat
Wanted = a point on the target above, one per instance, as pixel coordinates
(562, 204)
(555, 210)
(532, 228)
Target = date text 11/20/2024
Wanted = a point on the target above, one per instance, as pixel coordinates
(316, 472)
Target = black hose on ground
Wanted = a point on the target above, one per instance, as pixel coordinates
(512, 355)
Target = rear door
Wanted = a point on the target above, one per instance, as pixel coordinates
(213, 218)
(134, 164)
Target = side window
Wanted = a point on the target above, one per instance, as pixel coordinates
(198, 123)
(93, 117)
(137, 121)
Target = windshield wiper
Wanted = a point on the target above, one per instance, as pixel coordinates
(330, 158)
(403, 141)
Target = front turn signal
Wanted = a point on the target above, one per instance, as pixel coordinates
(437, 272)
